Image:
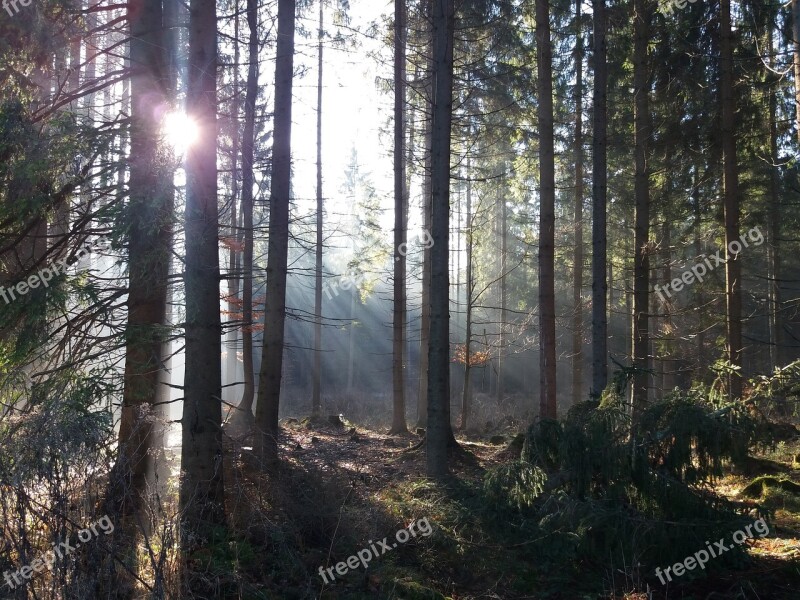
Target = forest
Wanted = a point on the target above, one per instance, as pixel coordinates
(400, 299)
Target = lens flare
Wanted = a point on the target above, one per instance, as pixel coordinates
(180, 131)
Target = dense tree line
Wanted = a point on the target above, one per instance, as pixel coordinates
(566, 162)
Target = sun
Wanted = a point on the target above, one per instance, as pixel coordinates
(180, 131)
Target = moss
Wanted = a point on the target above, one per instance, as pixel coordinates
(759, 485)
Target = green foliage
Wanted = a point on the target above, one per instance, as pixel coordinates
(57, 430)
(517, 484)
(628, 490)
(780, 391)
(690, 439)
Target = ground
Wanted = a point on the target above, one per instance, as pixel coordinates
(342, 488)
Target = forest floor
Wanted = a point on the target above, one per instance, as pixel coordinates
(344, 487)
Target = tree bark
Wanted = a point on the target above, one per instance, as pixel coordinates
(547, 217)
(269, 388)
(773, 248)
(503, 296)
(470, 284)
(233, 255)
(599, 189)
(439, 431)
(244, 414)
(316, 402)
(796, 48)
(577, 278)
(667, 375)
(641, 267)
(201, 487)
(150, 215)
(733, 268)
(425, 311)
(400, 223)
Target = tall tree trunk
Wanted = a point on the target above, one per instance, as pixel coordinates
(699, 298)
(599, 185)
(667, 375)
(425, 311)
(315, 394)
(470, 284)
(503, 296)
(641, 267)
(269, 383)
(773, 248)
(234, 257)
(243, 417)
(351, 353)
(577, 277)
(150, 215)
(400, 223)
(796, 48)
(547, 216)
(733, 268)
(201, 489)
(440, 433)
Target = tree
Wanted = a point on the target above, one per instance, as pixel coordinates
(470, 285)
(796, 59)
(547, 217)
(243, 417)
(439, 433)
(315, 394)
(577, 219)
(641, 266)
(425, 311)
(150, 218)
(400, 223)
(269, 381)
(503, 294)
(599, 185)
(201, 488)
(733, 268)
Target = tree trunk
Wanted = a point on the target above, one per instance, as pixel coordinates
(201, 488)
(440, 433)
(400, 223)
(733, 268)
(425, 310)
(667, 375)
(577, 278)
(599, 184)
(796, 48)
(269, 383)
(243, 417)
(316, 402)
(233, 255)
(503, 296)
(150, 215)
(467, 391)
(641, 267)
(773, 248)
(351, 353)
(547, 217)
